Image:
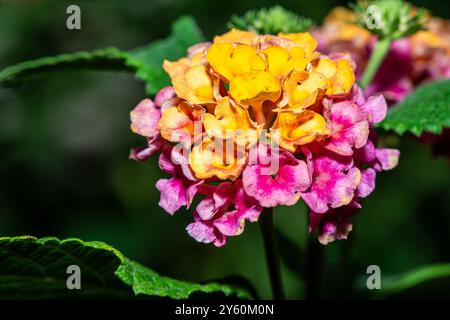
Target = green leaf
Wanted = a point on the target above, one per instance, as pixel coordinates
(426, 110)
(108, 59)
(271, 21)
(32, 268)
(146, 62)
(429, 281)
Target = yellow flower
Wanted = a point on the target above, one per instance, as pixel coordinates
(281, 61)
(181, 123)
(303, 40)
(340, 74)
(302, 89)
(217, 158)
(255, 86)
(292, 129)
(231, 121)
(230, 61)
(191, 79)
(236, 36)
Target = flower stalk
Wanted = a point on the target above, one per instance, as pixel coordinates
(272, 255)
(315, 270)
(378, 54)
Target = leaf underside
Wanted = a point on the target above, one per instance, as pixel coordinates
(32, 268)
(145, 62)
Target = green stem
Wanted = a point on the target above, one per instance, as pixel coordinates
(315, 270)
(272, 256)
(376, 58)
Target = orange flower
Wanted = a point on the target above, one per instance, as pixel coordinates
(217, 158)
(340, 74)
(181, 123)
(302, 89)
(231, 121)
(230, 61)
(236, 36)
(292, 129)
(190, 79)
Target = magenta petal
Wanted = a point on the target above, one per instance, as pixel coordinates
(283, 188)
(334, 184)
(164, 94)
(314, 220)
(191, 191)
(145, 118)
(173, 195)
(223, 194)
(201, 232)
(334, 230)
(206, 209)
(166, 164)
(349, 128)
(333, 225)
(179, 156)
(367, 184)
(142, 154)
(376, 108)
(365, 154)
(232, 223)
(388, 158)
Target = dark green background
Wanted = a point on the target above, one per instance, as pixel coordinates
(65, 138)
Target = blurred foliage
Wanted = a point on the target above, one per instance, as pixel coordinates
(396, 18)
(64, 168)
(271, 21)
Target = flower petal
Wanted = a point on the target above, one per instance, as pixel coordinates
(292, 129)
(376, 108)
(388, 159)
(281, 188)
(173, 195)
(367, 184)
(334, 183)
(144, 119)
(349, 128)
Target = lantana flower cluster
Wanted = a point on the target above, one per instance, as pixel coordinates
(256, 121)
(422, 57)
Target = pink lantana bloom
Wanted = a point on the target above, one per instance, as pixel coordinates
(180, 189)
(280, 185)
(241, 138)
(222, 213)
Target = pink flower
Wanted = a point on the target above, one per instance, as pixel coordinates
(283, 185)
(179, 190)
(334, 182)
(334, 225)
(142, 154)
(375, 107)
(166, 98)
(370, 161)
(144, 119)
(223, 213)
(349, 128)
